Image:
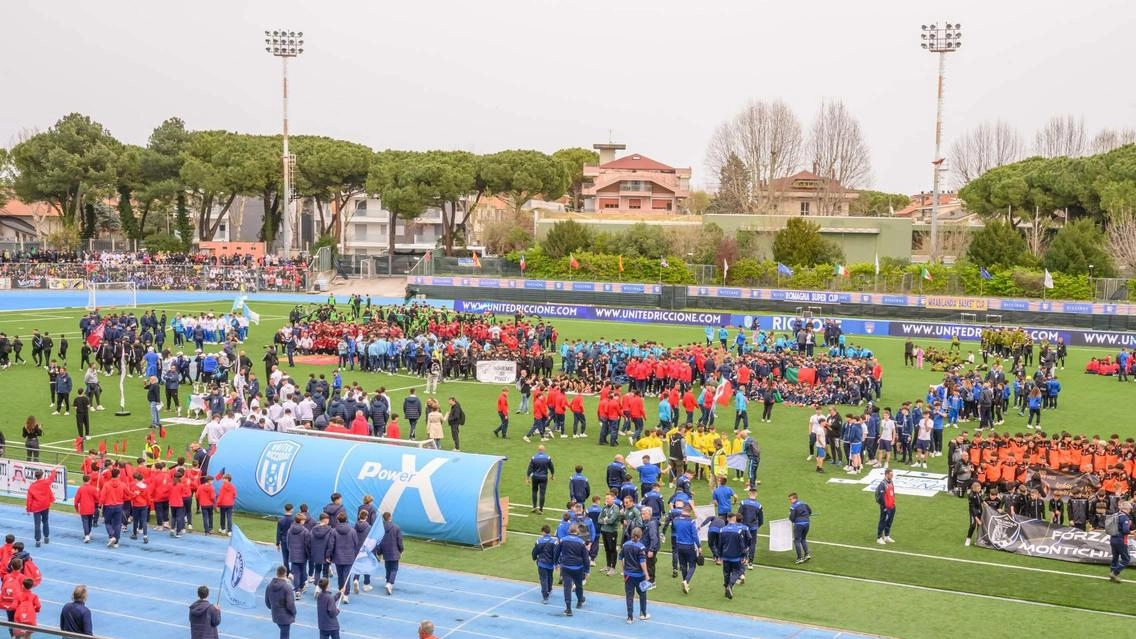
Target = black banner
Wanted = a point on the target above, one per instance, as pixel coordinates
(1059, 483)
(1037, 538)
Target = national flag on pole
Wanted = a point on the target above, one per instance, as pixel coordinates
(476, 259)
(102, 447)
(116, 448)
(877, 263)
(984, 274)
(784, 270)
(366, 563)
(252, 316)
(620, 263)
(522, 262)
(724, 393)
(840, 270)
(663, 263)
(725, 268)
(1048, 279)
(573, 263)
(925, 274)
(95, 337)
(245, 570)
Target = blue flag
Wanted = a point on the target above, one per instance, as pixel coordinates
(985, 274)
(784, 270)
(246, 569)
(366, 563)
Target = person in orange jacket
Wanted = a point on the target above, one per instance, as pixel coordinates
(226, 499)
(140, 503)
(38, 503)
(87, 504)
(206, 499)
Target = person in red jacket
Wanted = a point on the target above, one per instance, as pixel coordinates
(39, 501)
(178, 492)
(140, 503)
(689, 404)
(27, 607)
(6, 552)
(159, 482)
(502, 413)
(578, 418)
(637, 412)
(393, 431)
(226, 499)
(359, 425)
(559, 403)
(12, 589)
(87, 504)
(206, 499)
(111, 496)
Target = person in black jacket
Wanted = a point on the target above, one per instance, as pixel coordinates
(278, 598)
(456, 419)
(75, 616)
(204, 617)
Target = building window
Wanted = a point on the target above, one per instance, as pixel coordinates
(631, 186)
(634, 204)
(804, 208)
(361, 232)
(361, 208)
(221, 228)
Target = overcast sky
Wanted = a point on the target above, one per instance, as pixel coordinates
(491, 75)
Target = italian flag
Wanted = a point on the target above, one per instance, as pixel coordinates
(840, 270)
(925, 274)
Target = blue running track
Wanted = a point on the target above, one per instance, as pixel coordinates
(141, 590)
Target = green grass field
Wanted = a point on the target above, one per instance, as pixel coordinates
(926, 585)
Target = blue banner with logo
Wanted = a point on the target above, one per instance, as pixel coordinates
(607, 313)
(430, 493)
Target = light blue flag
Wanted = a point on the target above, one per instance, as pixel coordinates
(784, 270)
(366, 563)
(246, 568)
(252, 316)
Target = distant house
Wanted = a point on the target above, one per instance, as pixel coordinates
(633, 183)
(950, 208)
(20, 222)
(806, 193)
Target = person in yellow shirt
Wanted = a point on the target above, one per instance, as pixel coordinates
(735, 447)
(650, 439)
(718, 463)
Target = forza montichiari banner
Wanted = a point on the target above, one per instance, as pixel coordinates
(1037, 538)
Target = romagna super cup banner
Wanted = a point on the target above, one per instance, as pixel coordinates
(429, 493)
(1037, 538)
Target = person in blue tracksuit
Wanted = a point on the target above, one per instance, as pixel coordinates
(733, 548)
(800, 514)
(634, 556)
(752, 516)
(648, 475)
(538, 475)
(579, 489)
(741, 405)
(573, 560)
(650, 540)
(546, 552)
(1118, 542)
(687, 545)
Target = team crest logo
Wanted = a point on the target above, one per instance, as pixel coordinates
(1004, 531)
(238, 570)
(275, 466)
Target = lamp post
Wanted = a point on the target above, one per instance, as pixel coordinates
(285, 44)
(940, 40)
(1091, 287)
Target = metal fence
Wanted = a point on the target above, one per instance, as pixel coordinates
(200, 277)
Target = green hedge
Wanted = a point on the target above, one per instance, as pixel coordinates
(895, 276)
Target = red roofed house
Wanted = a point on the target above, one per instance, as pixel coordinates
(633, 183)
(806, 193)
(20, 222)
(950, 207)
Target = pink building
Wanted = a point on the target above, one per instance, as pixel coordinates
(633, 183)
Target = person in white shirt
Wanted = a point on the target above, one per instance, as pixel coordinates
(305, 410)
(286, 421)
(213, 431)
(923, 440)
(289, 405)
(817, 428)
(229, 422)
(887, 440)
(817, 420)
(276, 376)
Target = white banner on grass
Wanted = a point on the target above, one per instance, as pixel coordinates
(635, 458)
(780, 535)
(907, 482)
(16, 476)
(497, 372)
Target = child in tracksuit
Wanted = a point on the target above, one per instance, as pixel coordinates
(545, 553)
(954, 406)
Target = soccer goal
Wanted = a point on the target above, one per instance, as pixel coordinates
(104, 294)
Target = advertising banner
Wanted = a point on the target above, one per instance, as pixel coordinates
(1061, 483)
(497, 372)
(16, 476)
(5, 283)
(1037, 538)
(66, 283)
(430, 493)
(950, 302)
